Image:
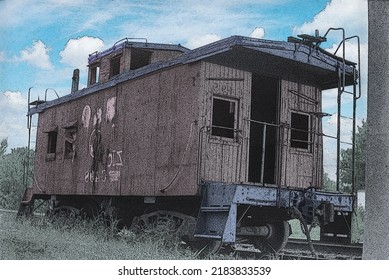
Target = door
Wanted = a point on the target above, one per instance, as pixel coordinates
(263, 142)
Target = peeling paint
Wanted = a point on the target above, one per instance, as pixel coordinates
(97, 117)
(114, 176)
(111, 109)
(86, 114)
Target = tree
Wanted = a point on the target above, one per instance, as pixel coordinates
(12, 180)
(328, 184)
(3, 146)
(360, 161)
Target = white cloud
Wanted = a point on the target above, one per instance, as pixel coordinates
(258, 33)
(76, 51)
(198, 41)
(2, 57)
(96, 21)
(14, 99)
(37, 55)
(186, 22)
(13, 108)
(69, 3)
(349, 14)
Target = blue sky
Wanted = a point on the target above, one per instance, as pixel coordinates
(43, 41)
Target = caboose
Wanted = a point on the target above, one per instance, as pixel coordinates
(224, 140)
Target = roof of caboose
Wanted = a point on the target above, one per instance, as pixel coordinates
(277, 58)
(124, 43)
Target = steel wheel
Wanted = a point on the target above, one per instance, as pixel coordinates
(276, 239)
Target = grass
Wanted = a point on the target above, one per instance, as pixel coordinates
(40, 239)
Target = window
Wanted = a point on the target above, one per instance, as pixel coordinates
(70, 139)
(94, 72)
(139, 58)
(224, 117)
(299, 135)
(52, 142)
(115, 66)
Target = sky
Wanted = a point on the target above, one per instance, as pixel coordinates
(43, 41)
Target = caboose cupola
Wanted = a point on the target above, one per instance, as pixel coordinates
(127, 55)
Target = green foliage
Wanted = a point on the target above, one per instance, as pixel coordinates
(3, 146)
(12, 176)
(360, 161)
(328, 184)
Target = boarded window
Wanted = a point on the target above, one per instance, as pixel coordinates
(52, 142)
(299, 135)
(94, 72)
(224, 117)
(114, 66)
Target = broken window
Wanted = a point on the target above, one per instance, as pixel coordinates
(139, 58)
(52, 141)
(299, 135)
(94, 72)
(70, 142)
(115, 66)
(224, 117)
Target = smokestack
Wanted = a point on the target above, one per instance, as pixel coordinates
(75, 80)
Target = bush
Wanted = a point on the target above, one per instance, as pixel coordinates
(13, 178)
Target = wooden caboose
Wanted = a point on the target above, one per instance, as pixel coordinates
(157, 121)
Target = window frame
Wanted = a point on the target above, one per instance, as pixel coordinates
(52, 144)
(234, 129)
(139, 58)
(297, 142)
(114, 63)
(94, 74)
(70, 139)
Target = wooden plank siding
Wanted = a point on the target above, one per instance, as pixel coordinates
(299, 167)
(227, 161)
(131, 138)
(221, 158)
(139, 131)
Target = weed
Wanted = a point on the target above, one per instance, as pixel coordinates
(75, 239)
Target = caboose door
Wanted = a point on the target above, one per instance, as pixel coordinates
(264, 134)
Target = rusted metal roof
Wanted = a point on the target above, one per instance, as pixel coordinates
(255, 55)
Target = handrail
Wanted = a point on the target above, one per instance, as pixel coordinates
(343, 55)
(127, 40)
(51, 89)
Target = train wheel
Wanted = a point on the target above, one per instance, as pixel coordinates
(165, 222)
(65, 212)
(276, 239)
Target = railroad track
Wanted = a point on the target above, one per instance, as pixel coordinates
(298, 249)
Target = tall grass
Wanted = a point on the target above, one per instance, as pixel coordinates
(41, 239)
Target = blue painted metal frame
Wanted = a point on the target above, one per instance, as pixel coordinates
(219, 195)
(283, 197)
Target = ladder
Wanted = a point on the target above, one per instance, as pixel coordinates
(217, 214)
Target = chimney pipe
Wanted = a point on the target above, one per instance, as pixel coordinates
(75, 80)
